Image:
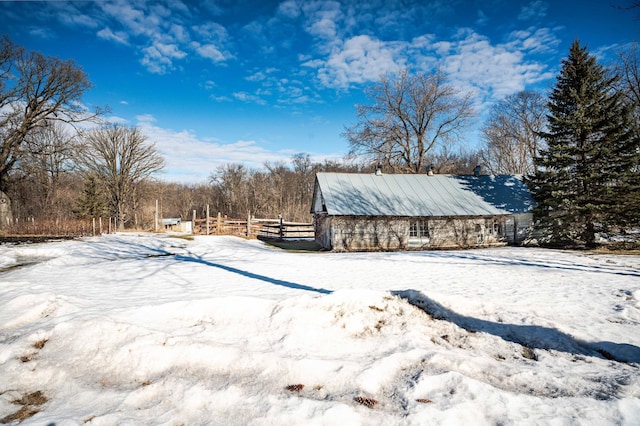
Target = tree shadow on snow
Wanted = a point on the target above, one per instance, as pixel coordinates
(568, 265)
(252, 275)
(532, 336)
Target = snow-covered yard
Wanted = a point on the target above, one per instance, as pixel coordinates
(153, 329)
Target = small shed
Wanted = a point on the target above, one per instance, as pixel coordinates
(357, 212)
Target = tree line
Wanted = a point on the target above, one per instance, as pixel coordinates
(578, 146)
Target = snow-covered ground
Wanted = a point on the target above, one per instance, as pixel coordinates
(153, 329)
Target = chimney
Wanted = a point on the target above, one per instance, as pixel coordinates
(430, 170)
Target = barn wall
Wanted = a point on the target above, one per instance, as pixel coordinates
(466, 232)
(349, 233)
(355, 233)
(322, 228)
(519, 227)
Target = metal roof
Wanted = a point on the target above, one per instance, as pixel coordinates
(351, 194)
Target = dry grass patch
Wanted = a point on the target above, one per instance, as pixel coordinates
(366, 401)
(295, 388)
(30, 406)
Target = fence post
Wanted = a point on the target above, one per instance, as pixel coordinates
(100, 223)
(207, 219)
(93, 222)
(193, 223)
(281, 227)
(248, 223)
(219, 224)
(155, 217)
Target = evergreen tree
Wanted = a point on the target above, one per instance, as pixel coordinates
(586, 179)
(92, 204)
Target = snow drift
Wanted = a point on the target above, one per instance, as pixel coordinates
(148, 329)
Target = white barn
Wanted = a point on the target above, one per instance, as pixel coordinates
(359, 212)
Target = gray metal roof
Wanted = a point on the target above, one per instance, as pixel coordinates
(351, 194)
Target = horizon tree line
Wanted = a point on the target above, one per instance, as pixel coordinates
(413, 123)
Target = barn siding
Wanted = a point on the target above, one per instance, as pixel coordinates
(364, 233)
(519, 227)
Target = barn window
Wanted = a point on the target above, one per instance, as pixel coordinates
(497, 228)
(413, 229)
(419, 229)
(479, 233)
(494, 227)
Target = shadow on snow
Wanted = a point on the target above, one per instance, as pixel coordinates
(252, 275)
(533, 336)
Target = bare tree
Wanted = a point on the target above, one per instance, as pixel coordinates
(231, 184)
(628, 68)
(120, 158)
(408, 117)
(459, 162)
(35, 90)
(47, 160)
(511, 133)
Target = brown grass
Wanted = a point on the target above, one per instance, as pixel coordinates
(22, 414)
(366, 401)
(30, 407)
(295, 388)
(40, 344)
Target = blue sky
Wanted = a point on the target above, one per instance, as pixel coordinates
(220, 81)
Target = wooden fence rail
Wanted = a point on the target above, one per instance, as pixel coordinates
(252, 227)
(286, 230)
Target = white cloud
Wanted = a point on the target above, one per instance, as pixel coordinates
(158, 30)
(114, 119)
(145, 118)
(491, 71)
(360, 59)
(324, 18)
(211, 31)
(190, 159)
(482, 18)
(135, 21)
(248, 97)
(119, 37)
(534, 40)
(209, 85)
(158, 58)
(289, 9)
(257, 76)
(208, 51)
(533, 11)
(42, 33)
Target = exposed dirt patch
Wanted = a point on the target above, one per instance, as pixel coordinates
(30, 406)
(31, 239)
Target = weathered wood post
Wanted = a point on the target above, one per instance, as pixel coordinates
(207, 222)
(248, 223)
(193, 222)
(6, 218)
(155, 217)
(281, 227)
(100, 224)
(219, 224)
(93, 223)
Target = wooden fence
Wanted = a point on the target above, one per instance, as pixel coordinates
(219, 225)
(286, 230)
(53, 228)
(252, 227)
